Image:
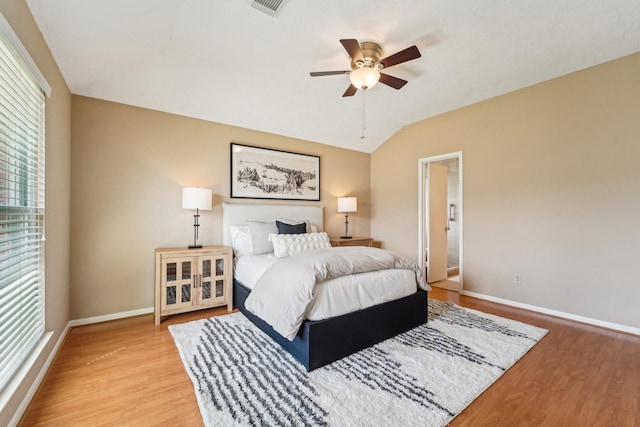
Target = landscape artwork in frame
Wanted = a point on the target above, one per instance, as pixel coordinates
(263, 173)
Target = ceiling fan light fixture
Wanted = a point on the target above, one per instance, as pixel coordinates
(364, 78)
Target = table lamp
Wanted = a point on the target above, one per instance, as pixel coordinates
(347, 205)
(196, 198)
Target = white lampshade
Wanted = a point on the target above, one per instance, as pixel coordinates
(364, 78)
(347, 204)
(196, 198)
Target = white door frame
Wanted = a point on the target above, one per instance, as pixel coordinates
(421, 207)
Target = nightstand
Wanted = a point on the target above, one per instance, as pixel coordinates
(192, 279)
(354, 241)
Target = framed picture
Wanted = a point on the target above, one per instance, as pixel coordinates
(263, 173)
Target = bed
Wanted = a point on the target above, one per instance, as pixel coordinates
(320, 342)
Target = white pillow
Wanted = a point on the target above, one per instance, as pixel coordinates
(260, 232)
(289, 244)
(241, 240)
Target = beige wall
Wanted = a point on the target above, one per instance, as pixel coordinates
(129, 166)
(551, 191)
(57, 202)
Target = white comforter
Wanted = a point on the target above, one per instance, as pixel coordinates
(283, 293)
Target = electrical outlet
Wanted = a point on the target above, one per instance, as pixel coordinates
(517, 279)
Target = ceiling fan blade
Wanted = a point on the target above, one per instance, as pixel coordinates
(394, 82)
(403, 56)
(327, 73)
(353, 48)
(351, 90)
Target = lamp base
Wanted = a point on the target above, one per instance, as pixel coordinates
(195, 246)
(346, 237)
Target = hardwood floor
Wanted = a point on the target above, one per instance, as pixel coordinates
(128, 372)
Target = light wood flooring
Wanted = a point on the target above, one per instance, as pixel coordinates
(128, 372)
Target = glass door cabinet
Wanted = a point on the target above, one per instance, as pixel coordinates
(192, 279)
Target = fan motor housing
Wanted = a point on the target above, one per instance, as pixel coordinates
(371, 53)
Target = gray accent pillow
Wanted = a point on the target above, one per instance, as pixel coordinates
(284, 228)
(293, 221)
(260, 236)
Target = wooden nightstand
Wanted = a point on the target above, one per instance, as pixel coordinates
(354, 241)
(193, 279)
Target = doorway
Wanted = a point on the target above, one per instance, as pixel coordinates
(440, 220)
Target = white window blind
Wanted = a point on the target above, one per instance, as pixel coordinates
(21, 212)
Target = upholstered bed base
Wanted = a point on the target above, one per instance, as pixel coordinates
(321, 342)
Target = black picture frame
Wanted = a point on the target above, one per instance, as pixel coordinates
(265, 173)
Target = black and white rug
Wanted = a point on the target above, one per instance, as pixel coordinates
(423, 377)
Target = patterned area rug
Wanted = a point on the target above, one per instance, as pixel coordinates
(423, 377)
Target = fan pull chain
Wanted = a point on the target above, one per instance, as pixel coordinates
(364, 110)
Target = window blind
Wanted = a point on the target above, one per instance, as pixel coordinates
(22, 178)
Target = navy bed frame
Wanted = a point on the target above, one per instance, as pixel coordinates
(321, 342)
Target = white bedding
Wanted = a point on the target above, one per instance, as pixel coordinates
(338, 296)
(288, 290)
(329, 298)
(247, 269)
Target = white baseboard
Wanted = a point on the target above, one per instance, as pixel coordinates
(569, 316)
(54, 351)
(107, 317)
(38, 380)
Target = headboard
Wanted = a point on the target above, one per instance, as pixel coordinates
(240, 213)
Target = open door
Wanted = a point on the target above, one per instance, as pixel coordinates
(440, 250)
(436, 223)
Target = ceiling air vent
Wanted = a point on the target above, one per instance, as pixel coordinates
(270, 7)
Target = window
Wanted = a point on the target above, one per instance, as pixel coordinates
(21, 211)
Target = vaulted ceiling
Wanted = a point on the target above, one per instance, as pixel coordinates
(227, 62)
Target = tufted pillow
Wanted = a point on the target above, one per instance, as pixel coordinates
(289, 244)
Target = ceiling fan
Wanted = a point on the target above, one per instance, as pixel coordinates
(366, 65)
